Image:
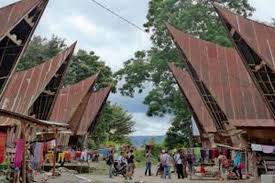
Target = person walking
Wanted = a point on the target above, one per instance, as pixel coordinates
(164, 161)
(110, 162)
(179, 164)
(148, 160)
(131, 164)
(190, 163)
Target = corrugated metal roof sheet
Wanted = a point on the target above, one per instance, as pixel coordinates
(194, 99)
(10, 15)
(91, 111)
(26, 86)
(18, 22)
(259, 36)
(69, 99)
(223, 72)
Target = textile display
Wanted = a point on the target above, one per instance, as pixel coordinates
(263, 148)
(3, 137)
(20, 147)
(38, 156)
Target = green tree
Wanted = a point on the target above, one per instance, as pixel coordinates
(39, 50)
(114, 125)
(196, 17)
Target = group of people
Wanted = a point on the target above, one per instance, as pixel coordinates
(180, 161)
(126, 160)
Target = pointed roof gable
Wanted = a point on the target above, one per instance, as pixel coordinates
(89, 111)
(69, 98)
(260, 37)
(10, 15)
(18, 22)
(25, 86)
(194, 99)
(224, 74)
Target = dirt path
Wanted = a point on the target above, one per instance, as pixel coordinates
(140, 178)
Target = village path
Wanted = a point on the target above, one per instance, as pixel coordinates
(140, 178)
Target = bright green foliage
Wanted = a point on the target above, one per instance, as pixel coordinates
(196, 17)
(40, 50)
(116, 125)
(85, 64)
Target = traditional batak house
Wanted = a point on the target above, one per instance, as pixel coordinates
(18, 22)
(196, 105)
(228, 91)
(255, 43)
(67, 103)
(85, 118)
(27, 86)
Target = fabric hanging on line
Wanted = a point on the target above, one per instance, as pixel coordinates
(20, 147)
(3, 138)
(267, 149)
(38, 156)
(256, 147)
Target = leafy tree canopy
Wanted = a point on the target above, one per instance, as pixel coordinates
(196, 17)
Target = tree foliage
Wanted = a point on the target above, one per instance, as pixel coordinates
(196, 17)
(83, 65)
(116, 125)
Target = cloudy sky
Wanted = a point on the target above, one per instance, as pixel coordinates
(115, 41)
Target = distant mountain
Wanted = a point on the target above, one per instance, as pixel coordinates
(138, 141)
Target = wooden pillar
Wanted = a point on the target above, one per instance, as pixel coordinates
(54, 152)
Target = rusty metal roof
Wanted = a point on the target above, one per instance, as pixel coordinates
(91, 111)
(18, 22)
(223, 72)
(69, 98)
(259, 36)
(10, 15)
(26, 86)
(193, 99)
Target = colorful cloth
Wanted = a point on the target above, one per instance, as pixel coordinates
(20, 147)
(256, 147)
(237, 159)
(3, 137)
(38, 156)
(267, 149)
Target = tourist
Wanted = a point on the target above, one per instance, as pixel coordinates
(179, 164)
(190, 163)
(165, 161)
(110, 162)
(131, 164)
(160, 167)
(148, 160)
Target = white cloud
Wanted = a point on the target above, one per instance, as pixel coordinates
(83, 25)
(150, 126)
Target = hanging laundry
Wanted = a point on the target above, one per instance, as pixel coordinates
(38, 156)
(256, 147)
(3, 137)
(84, 156)
(267, 149)
(20, 147)
(203, 154)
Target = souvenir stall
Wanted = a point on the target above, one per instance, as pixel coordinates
(20, 156)
(216, 163)
(263, 159)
